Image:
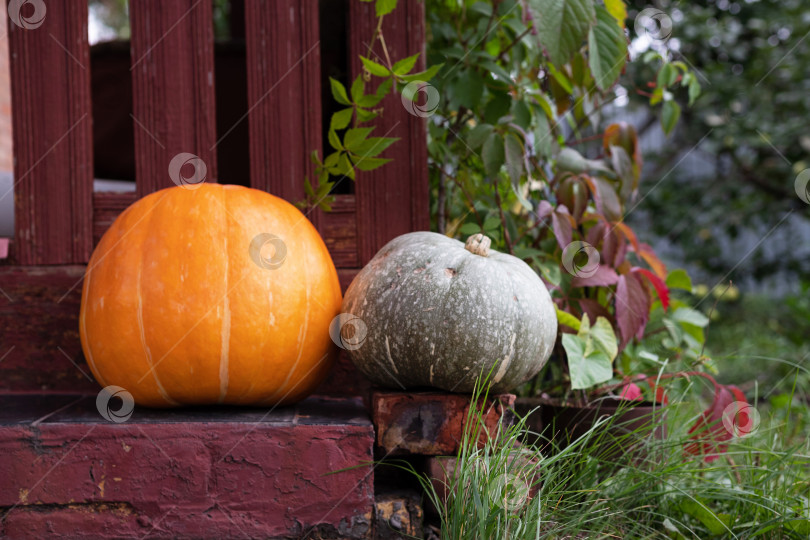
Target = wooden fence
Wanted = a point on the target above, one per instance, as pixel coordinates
(59, 217)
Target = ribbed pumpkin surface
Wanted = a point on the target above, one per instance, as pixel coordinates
(178, 308)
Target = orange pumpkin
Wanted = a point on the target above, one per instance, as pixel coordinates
(221, 294)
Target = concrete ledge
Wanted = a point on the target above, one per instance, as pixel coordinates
(193, 473)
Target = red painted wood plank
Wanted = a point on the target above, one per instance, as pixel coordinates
(393, 199)
(284, 94)
(52, 133)
(39, 336)
(106, 207)
(173, 91)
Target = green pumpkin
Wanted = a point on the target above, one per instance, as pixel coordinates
(428, 310)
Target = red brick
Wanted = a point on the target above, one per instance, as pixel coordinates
(430, 423)
(200, 474)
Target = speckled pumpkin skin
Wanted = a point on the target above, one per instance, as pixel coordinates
(438, 315)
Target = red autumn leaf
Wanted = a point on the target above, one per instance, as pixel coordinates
(544, 209)
(594, 309)
(602, 277)
(646, 252)
(561, 224)
(729, 414)
(628, 233)
(632, 392)
(658, 284)
(632, 306)
(595, 234)
(659, 394)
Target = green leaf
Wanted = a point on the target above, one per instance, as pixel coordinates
(585, 371)
(562, 26)
(497, 107)
(331, 160)
(373, 146)
(694, 90)
(468, 88)
(679, 279)
(370, 163)
(385, 88)
(670, 115)
(603, 337)
(365, 115)
(334, 140)
(341, 119)
(521, 114)
(384, 7)
(561, 78)
(345, 166)
(339, 92)
(469, 228)
(567, 319)
(607, 49)
(513, 152)
(667, 76)
(405, 65)
(716, 523)
(370, 100)
(355, 136)
(358, 88)
(492, 224)
(496, 69)
(493, 154)
(425, 76)
(551, 272)
(618, 10)
(478, 135)
(374, 68)
(690, 316)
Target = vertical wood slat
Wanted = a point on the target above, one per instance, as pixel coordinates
(284, 94)
(173, 88)
(52, 134)
(393, 199)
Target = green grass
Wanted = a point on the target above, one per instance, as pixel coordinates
(759, 489)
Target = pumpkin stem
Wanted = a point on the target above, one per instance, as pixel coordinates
(478, 244)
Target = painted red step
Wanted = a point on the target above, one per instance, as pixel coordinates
(199, 473)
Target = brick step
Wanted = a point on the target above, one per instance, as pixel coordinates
(208, 472)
